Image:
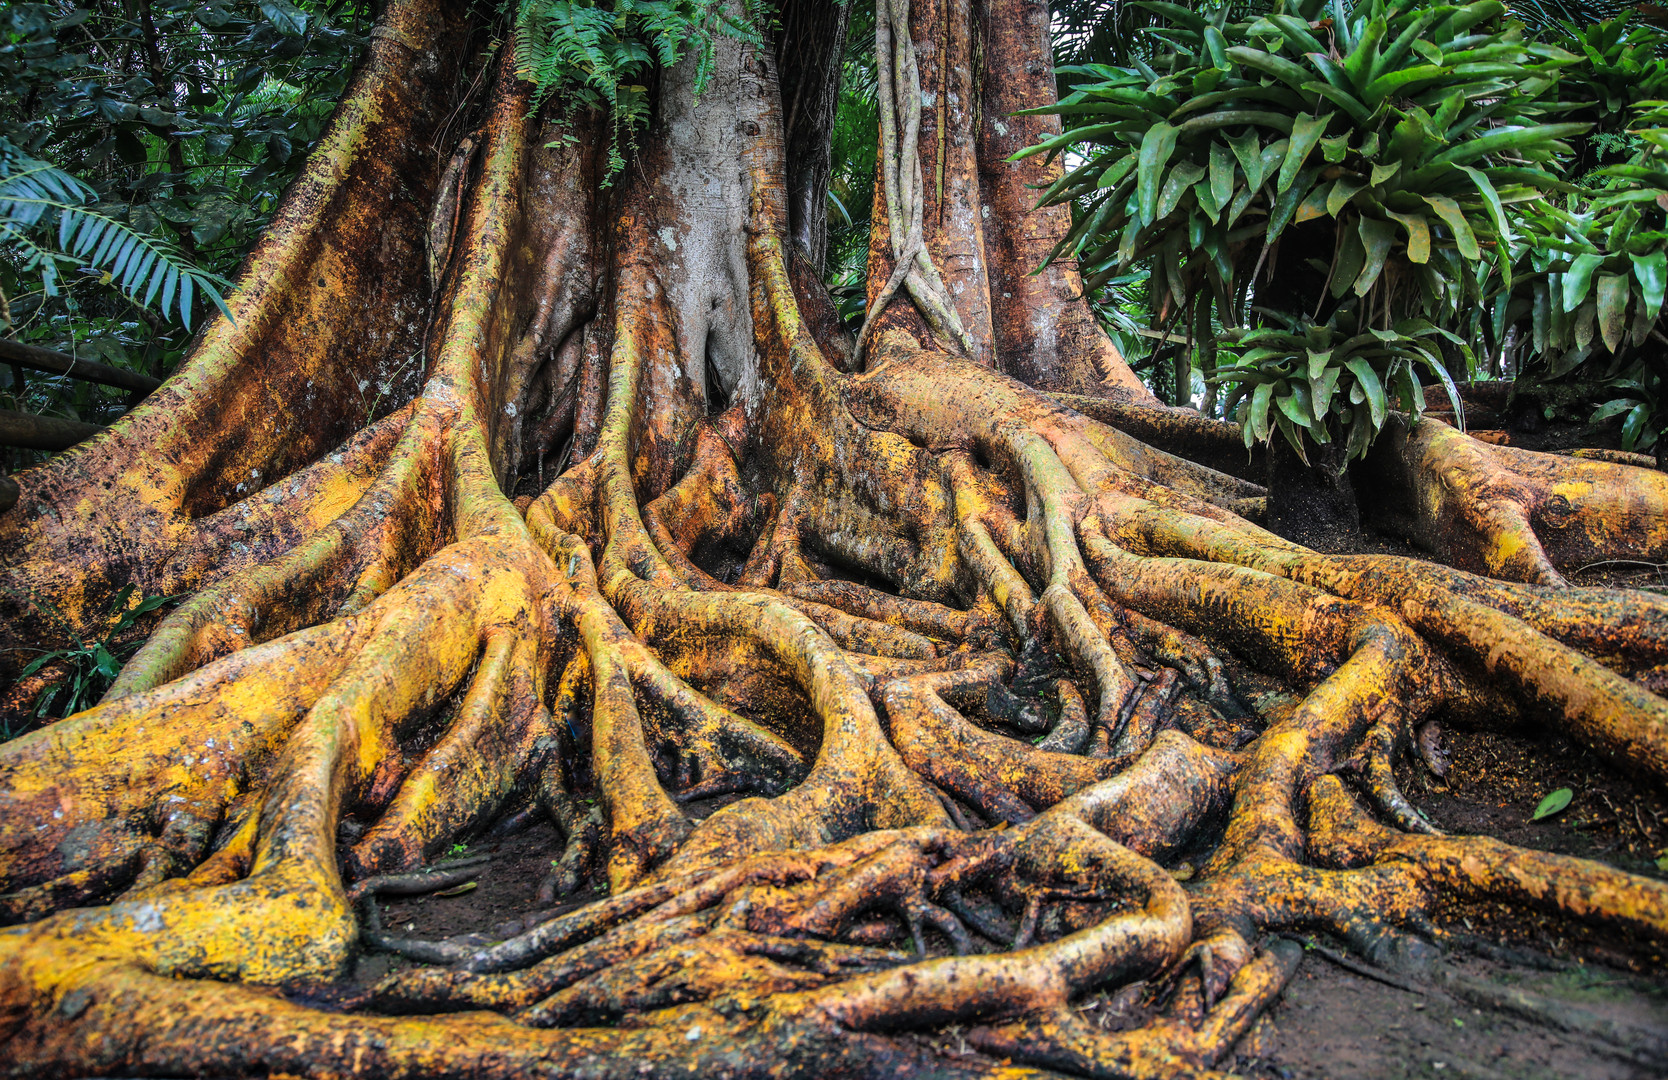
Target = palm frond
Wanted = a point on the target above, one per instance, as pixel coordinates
(35, 196)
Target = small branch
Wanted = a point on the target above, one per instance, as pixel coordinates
(30, 356)
(42, 432)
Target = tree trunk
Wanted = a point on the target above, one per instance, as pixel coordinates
(587, 514)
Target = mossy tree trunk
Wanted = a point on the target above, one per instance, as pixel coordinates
(504, 489)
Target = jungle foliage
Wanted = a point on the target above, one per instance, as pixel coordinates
(1333, 207)
(143, 148)
(593, 55)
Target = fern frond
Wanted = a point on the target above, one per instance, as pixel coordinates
(601, 57)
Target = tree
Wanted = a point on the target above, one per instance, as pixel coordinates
(639, 534)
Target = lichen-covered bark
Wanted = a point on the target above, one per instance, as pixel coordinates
(984, 659)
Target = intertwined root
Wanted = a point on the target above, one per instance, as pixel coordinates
(990, 676)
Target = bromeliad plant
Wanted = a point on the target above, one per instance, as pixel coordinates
(1381, 147)
(1307, 380)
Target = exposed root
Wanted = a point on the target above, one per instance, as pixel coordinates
(977, 661)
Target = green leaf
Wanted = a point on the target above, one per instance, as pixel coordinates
(285, 17)
(1613, 407)
(1183, 176)
(1313, 204)
(1256, 419)
(1453, 217)
(1520, 140)
(1342, 192)
(1352, 255)
(1578, 278)
(1306, 132)
(1248, 148)
(39, 662)
(107, 665)
(1552, 804)
(1293, 75)
(1377, 237)
(1221, 173)
(1635, 430)
(1368, 380)
(1651, 271)
(1156, 147)
(1613, 295)
(1358, 65)
(1418, 235)
(1286, 205)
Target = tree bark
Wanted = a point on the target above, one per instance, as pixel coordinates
(972, 665)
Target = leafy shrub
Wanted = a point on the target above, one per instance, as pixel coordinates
(90, 666)
(171, 128)
(1378, 148)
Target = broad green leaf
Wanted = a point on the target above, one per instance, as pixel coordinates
(1321, 388)
(1418, 235)
(1613, 295)
(1182, 176)
(1377, 237)
(1358, 65)
(1295, 404)
(1578, 278)
(1399, 82)
(1346, 101)
(1352, 255)
(1371, 387)
(1517, 139)
(1290, 431)
(1248, 148)
(285, 17)
(1453, 217)
(1257, 418)
(1314, 204)
(1342, 192)
(1206, 199)
(1286, 204)
(1221, 173)
(107, 665)
(1651, 271)
(1306, 132)
(1613, 407)
(1552, 804)
(1635, 431)
(1156, 147)
(1293, 75)
(1497, 215)
(1217, 46)
(1383, 172)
